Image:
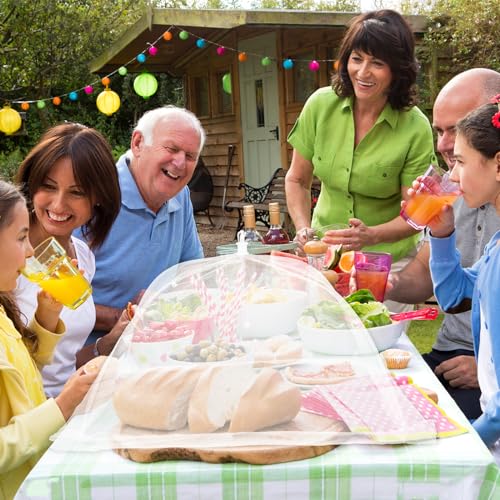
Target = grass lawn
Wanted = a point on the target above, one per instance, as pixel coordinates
(423, 333)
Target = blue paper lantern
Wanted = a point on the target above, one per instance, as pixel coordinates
(73, 96)
(141, 58)
(288, 64)
(200, 43)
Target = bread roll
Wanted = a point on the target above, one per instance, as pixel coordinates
(156, 399)
(216, 394)
(270, 400)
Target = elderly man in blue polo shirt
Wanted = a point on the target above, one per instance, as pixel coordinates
(155, 228)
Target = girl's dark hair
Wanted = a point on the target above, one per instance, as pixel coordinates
(386, 35)
(93, 168)
(479, 130)
(10, 197)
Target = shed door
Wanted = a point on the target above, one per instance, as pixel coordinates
(259, 110)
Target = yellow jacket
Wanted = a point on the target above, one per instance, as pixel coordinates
(27, 418)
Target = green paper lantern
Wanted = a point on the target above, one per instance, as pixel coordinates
(226, 83)
(183, 35)
(145, 85)
(40, 104)
(122, 70)
(10, 120)
(266, 61)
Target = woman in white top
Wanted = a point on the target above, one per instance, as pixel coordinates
(69, 180)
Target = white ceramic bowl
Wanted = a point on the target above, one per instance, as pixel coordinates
(348, 342)
(264, 320)
(157, 352)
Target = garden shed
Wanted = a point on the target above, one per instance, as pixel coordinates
(248, 114)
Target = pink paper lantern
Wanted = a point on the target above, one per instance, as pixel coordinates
(221, 51)
(152, 50)
(314, 65)
(88, 89)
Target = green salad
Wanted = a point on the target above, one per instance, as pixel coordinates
(327, 314)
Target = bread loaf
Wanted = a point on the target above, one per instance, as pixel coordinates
(216, 394)
(156, 399)
(269, 400)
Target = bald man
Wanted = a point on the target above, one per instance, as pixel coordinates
(452, 356)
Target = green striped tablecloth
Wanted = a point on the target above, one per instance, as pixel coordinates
(451, 468)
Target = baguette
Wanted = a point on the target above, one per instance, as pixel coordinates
(156, 399)
(215, 396)
(269, 400)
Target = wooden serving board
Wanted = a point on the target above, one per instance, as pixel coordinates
(257, 455)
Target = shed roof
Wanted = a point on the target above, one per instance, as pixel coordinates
(211, 24)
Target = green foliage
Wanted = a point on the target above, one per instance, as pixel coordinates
(9, 163)
(46, 47)
(423, 333)
(468, 31)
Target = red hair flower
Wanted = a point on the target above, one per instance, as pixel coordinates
(495, 119)
(495, 99)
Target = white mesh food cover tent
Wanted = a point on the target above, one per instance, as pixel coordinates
(243, 350)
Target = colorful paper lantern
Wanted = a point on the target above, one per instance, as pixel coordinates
(56, 101)
(145, 85)
(226, 83)
(221, 51)
(10, 120)
(336, 65)
(152, 51)
(265, 61)
(288, 64)
(167, 36)
(40, 104)
(183, 35)
(105, 81)
(141, 58)
(122, 70)
(242, 56)
(73, 96)
(25, 106)
(88, 89)
(314, 65)
(108, 102)
(200, 43)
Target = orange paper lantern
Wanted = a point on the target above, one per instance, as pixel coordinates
(167, 36)
(10, 120)
(105, 81)
(25, 106)
(56, 101)
(242, 56)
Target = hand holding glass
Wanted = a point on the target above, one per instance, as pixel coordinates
(435, 191)
(52, 270)
(372, 271)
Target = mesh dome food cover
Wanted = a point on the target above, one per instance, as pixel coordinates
(243, 350)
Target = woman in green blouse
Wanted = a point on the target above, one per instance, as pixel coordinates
(365, 140)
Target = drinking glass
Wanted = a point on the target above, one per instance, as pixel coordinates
(372, 271)
(52, 270)
(435, 191)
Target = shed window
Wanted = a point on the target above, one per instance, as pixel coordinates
(224, 100)
(304, 80)
(201, 96)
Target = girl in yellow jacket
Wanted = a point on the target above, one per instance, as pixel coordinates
(27, 418)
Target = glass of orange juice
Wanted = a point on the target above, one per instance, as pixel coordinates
(52, 270)
(372, 271)
(435, 191)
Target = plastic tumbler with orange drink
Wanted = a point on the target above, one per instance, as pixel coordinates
(52, 270)
(372, 271)
(435, 191)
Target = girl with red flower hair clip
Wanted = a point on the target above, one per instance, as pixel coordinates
(477, 168)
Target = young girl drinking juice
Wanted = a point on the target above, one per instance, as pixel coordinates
(477, 169)
(27, 418)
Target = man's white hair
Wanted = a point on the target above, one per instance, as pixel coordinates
(148, 121)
